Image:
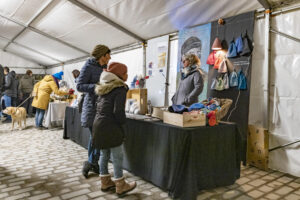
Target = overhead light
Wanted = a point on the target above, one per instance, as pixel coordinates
(217, 44)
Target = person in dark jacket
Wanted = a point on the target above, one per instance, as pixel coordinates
(108, 130)
(86, 81)
(25, 88)
(10, 90)
(191, 85)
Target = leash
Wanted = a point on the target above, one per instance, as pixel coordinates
(24, 101)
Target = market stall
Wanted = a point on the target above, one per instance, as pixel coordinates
(180, 160)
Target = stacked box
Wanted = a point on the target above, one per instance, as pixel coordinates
(258, 147)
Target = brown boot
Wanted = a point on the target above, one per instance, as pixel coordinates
(123, 187)
(106, 183)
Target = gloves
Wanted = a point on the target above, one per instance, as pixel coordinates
(71, 91)
(33, 94)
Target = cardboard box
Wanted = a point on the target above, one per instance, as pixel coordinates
(258, 147)
(185, 119)
(141, 96)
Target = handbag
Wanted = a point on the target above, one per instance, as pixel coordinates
(80, 103)
(226, 81)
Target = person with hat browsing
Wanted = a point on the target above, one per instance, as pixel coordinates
(86, 82)
(108, 131)
(41, 93)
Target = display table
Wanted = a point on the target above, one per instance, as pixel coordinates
(55, 114)
(182, 161)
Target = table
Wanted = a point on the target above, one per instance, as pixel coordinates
(55, 114)
(182, 161)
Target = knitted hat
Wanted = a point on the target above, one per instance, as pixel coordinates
(118, 69)
(59, 75)
(99, 51)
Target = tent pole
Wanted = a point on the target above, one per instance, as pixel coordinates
(144, 59)
(267, 69)
(167, 75)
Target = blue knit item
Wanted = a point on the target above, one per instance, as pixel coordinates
(196, 106)
(58, 75)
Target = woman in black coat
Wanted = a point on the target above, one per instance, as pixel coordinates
(108, 130)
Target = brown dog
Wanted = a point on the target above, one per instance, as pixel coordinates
(17, 114)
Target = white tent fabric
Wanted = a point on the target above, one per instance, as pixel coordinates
(65, 21)
(285, 77)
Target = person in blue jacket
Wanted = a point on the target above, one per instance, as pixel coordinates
(86, 81)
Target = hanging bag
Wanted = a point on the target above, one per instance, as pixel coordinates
(226, 81)
(223, 67)
(247, 46)
(242, 81)
(220, 84)
(239, 44)
(218, 62)
(211, 58)
(233, 79)
(213, 84)
(232, 50)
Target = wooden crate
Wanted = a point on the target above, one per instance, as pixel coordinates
(258, 147)
(141, 96)
(185, 119)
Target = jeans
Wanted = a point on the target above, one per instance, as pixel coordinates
(7, 103)
(117, 160)
(39, 116)
(93, 154)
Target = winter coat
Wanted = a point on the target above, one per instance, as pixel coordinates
(11, 85)
(107, 129)
(190, 87)
(1, 79)
(26, 84)
(89, 76)
(42, 91)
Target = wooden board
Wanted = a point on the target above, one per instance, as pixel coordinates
(185, 119)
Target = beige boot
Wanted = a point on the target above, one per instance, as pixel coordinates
(123, 187)
(106, 183)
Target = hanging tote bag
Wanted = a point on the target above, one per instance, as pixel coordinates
(239, 44)
(226, 81)
(213, 84)
(233, 79)
(211, 58)
(223, 67)
(220, 84)
(242, 81)
(232, 50)
(247, 46)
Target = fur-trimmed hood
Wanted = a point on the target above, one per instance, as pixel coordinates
(108, 82)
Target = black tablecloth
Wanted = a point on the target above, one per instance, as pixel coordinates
(182, 161)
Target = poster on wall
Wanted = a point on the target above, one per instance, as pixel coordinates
(197, 41)
(156, 69)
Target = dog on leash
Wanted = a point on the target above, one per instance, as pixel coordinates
(17, 115)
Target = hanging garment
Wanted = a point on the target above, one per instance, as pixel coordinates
(232, 50)
(239, 44)
(223, 67)
(247, 46)
(220, 84)
(211, 58)
(233, 79)
(242, 81)
(214, 84)
(226, 81)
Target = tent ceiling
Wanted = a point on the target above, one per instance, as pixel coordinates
(56, 31)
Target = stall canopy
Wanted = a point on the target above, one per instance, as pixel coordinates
(52, 32)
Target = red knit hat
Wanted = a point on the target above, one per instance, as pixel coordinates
(118, 69)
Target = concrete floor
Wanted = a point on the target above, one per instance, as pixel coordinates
(38, 164)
